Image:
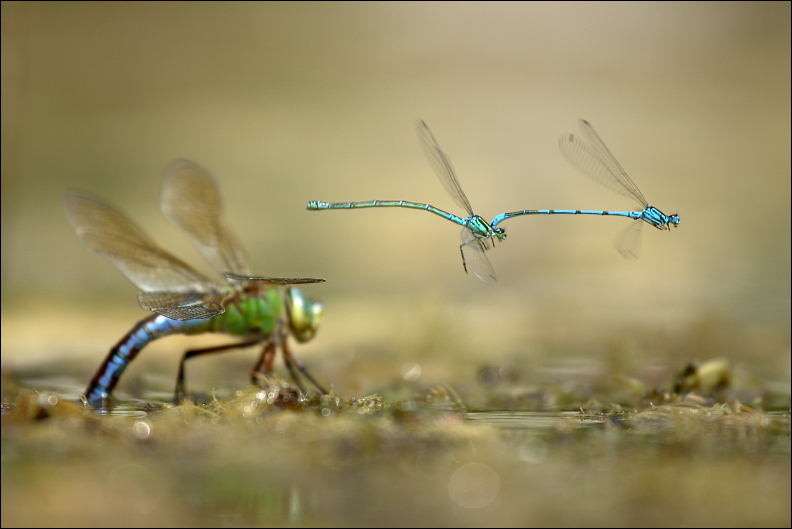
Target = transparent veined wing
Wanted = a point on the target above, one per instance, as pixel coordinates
(589, 154)
(169, 286)
(191, 200)
(183, 305)
(475, 257)
(628, 241)
(108, 232)
(273, 280)
(442, 167)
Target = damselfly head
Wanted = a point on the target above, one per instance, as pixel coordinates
(304, 315)
(500, 233)
(674, 219)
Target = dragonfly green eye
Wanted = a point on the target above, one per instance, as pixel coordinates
(304, 315)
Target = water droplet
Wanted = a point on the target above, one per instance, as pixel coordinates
(141, 429)
(474, 485)
(411, 371)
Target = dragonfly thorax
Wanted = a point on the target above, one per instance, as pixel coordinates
(658, 219)
(479, 226)
(250, 312)
(482, 229)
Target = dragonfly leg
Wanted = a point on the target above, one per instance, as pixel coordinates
(463, 256)
(180, 391)
(462, 251)
(290, 359)
(266, 358)
(293, 373)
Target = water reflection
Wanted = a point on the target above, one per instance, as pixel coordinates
(532, 419)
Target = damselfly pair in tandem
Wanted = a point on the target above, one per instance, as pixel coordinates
(587, 152)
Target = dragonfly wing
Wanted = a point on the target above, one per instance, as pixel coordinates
(589, 155)
(473, 253)
(274, 280)
(191, 200)
(108, 232)
(628, 241)
(442, 167)
(183, 305)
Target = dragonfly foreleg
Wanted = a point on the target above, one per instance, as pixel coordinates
(180, 391)
(292, 361)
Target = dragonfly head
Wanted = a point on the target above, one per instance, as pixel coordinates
(304, 314)
(500, 233)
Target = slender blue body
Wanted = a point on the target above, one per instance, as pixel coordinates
(650, 214)
(474, 223)
(317, 205)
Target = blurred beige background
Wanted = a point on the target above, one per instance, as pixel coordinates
(287, 103)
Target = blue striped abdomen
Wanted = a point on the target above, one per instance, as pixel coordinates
(129, 346)
(253, 313)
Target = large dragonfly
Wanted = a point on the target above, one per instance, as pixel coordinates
(478, 235)
(184, 300)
